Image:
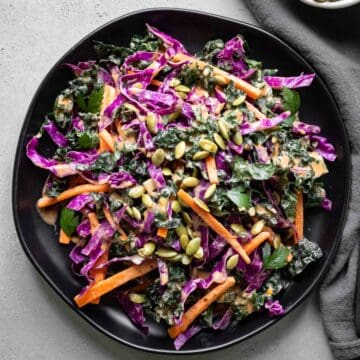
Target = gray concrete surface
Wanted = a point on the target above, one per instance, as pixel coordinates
(35, 323)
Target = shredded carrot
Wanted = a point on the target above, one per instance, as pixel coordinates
(162, 232)
(200, 306)
(63, 237)
(299, 218)
(258, 114)
(69, 193)
(112, 282)
(249, 89)
(157, 83)
(271, 236)
(109, 217)
(214, 224)
(103, 146)
(256, 241)
(212, 170)
(108, 139)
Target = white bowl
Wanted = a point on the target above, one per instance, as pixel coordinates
(331, 5)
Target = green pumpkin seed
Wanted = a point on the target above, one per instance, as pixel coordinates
(130, 107)
(220, 80)
(237, 138)
(185, 259)
(184, 240)
(151, 122)
(137, 298)
(220, 141)
(166, 253)
(260, 210)
(176, 258)
(186, 217)
(182, 95)
(206, 71)
(239, 100)
(180, 230)
(173, 116)
(180, 150)
(158, 157)
(223, 129)
(182, 88)
(190, 182)
(136, 192)
(136, 213)
(208, 145)
(252, 211)
(277, 241)
(238, 229)
(129, 211)
(201, 204)
(257, 227)
(176, 207)
(193, 246)
(175, 82)
(232, 262)
(200, 155)
(210, 191)
(166, 171)
(148, 248)
(147, 201)
(199, 253)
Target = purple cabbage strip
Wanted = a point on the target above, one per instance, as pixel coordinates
(136, 57)
(79, 201)
(326, 204)
(224, 321)
(254, 273)
(163, 271)
(83, 229)
(75, 254)
(157, 175)
(104, 76)
(83, 157)
(81, 66)
(293, 82)
(274, 307)
(103, 232)
(216, 247)
(301, 128)
(121, 180)
(324, 148)
(57, 137)
(134, 311)
(135, 259)
(145, 138)
(107, 117)
(186, 335)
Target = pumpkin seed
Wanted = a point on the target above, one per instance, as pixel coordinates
(137, 298)
(232, 262)
(136, 213)
(151, 122)
(147, 201)
(182, 95)
(206, 71)
(166, 171)
(176, 207)
(220, 141)
(238, 229)
(239, 100)
(175, 82)
(199, 253)
(186, 217)
(166, 253)
(223, 129)
(182, 88)
(148, 248)
(220, 80)
(158, 157)
(136, 192)
(190, 231)
(176, 258)
(200, 155)
(180, 230)
(173, 116)
(210, 191)
(252, 211)
(193, 246)
(180, 150)
(185, 259)
(129, 211)
(208, 145)
(201, 204)
(257, 227)
(237, 138)
(184, 240)
(277, 241)
(190, 182)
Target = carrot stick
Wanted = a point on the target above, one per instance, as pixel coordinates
(103, 146)
(157, 83)
(162, 232)
(214, 224)
(211, 169)
(256, 241)
(258, 114)
(69, 193)
(108, 139)
(271, 236)
(250, 90)
(94, 222)
(299, 218)
(100, 274)
(200, 306)
(109, 217)
(63, 237)
(112, 282)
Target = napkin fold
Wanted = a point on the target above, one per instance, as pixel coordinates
(330, 41)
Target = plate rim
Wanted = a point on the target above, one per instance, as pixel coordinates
(59, 291)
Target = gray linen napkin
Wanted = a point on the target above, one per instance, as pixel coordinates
(330, 40)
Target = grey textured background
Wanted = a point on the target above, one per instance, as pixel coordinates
(35, 323)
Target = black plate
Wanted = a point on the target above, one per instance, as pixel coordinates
(193, 29)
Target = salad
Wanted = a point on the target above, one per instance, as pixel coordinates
(180, 181)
